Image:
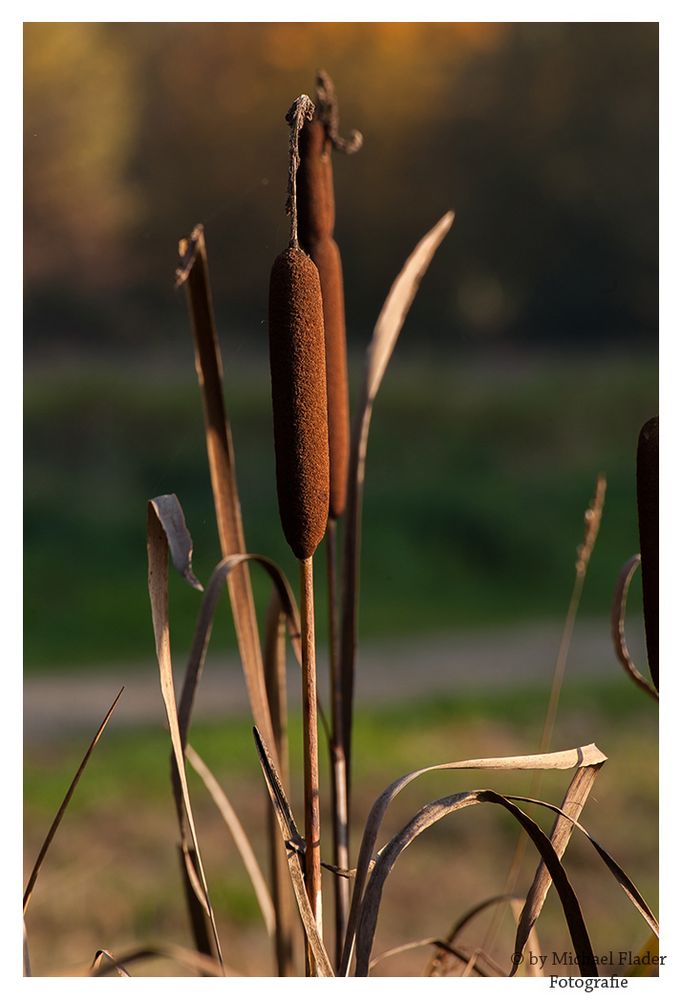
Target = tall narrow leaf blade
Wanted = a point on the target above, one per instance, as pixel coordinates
(386, 333)
(242, 842)
(295, 845)
(193, 273)
(157, 551)
(30, 885)
(276, 685)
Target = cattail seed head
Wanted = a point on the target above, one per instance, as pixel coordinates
(299, 400)
(647, 510)
(327, 259)
(316, 217)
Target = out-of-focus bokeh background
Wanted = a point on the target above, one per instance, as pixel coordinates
(527, 365)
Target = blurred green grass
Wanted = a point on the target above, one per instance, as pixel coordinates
(112, 879)
(477, 478)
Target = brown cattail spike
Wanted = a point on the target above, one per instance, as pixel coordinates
(316, 228)
(328, 261)
(299, 400)
(647, 509)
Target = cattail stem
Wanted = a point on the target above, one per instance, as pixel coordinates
(336, 754)
(313, 871)
(300, 111)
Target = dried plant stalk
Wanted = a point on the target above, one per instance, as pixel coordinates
(384, 338)
(276, 683)
(193, 273)
(316, 204)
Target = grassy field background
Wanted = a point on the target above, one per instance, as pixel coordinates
(478, 476)
(112, 878)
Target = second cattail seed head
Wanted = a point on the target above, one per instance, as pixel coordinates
(316, 229)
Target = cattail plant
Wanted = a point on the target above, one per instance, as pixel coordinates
(316, 217)
(299, 406)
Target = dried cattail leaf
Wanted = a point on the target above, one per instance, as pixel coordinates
(647, 509)
(327, 258)
(299, 400)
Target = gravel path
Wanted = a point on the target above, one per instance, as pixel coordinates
(69, 704)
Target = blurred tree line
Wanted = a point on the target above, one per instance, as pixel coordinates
(543, 137)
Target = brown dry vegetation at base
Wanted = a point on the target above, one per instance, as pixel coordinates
(112, 877)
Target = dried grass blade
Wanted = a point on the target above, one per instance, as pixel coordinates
(194, 896)
(432, 813)
(434, 966)
(621, 877)
(26, 954)
(276, 686)
(446, 948)
(295, 846)
(99, 959)
(202, 633)
(532, 969)
(203, 964)
(193, 272)
(239, 836)
(620, 645)
(28, 892)
(386, 332)
(560, 760)
(574, 801)
(157, 551)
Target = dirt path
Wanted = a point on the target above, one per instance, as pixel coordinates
(387, 672)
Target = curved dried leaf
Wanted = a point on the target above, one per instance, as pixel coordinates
(432, 813)
(202, 633)
(433, 967)
(295, 848)
(193, 272)
(157, 552)
(65, 802)
(180, 545)
(560, 760)
(386, 333)
(98, 961)
(204, 627)
(620, 599)
(621, 877)
(239, 836)
(574, 801)
(398, 302)
(194, 960)
(464, 956)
